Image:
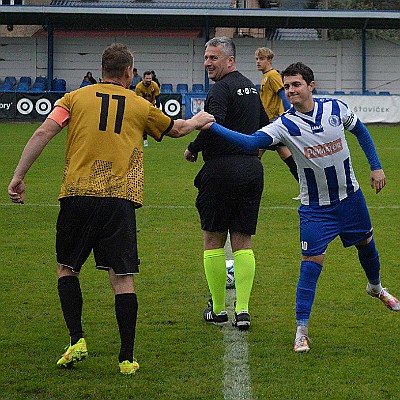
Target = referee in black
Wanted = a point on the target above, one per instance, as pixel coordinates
(230, 183)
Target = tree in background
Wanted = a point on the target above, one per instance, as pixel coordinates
(340, 34)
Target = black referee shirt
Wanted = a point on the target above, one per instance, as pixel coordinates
(235, 104)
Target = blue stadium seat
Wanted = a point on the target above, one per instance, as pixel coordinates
(368, 93)
(22, 87)
(384, 93)
(59, 85)
(40, 84)
(322, 92)
(166, 88)
(36, 87)
(41, 79)
(182, 88)
(355, 92)
(198, 87)
(339, 92)
(9, 83)
(11, 79)
(24, 84)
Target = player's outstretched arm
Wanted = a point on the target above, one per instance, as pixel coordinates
(255, 141)
(32, 150)
(182, 127)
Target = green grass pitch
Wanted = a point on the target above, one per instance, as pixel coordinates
(354, 352)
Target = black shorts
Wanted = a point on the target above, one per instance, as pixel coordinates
(229, 196)
(105, 225)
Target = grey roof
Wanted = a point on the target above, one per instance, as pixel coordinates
(71, 17)
(293, 34)
(207, 4)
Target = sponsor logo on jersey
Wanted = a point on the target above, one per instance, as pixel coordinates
(317, 128)
(324, 149)
(246, 91)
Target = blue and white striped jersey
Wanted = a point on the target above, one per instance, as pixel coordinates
(320, 149)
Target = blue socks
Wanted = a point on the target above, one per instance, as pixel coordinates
(306, 287)
(310, 272)
(369, 259)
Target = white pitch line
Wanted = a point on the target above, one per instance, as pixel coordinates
(237, 378)
(28, 205)
(173, 207)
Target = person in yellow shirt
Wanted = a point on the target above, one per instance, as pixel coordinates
(274, 101)
(101, 188)
(149, 90)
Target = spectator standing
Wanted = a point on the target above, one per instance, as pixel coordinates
(101, 188)
(230, 183)
(136, 79)
(154, 78)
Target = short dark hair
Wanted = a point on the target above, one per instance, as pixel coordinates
(115, 59)
(299, 68)
(147, 73)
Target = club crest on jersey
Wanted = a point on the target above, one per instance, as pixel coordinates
(334, 120)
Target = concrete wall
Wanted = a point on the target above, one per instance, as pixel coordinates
(337, 64)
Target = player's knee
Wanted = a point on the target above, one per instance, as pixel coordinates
(367, 251)
(309, 274)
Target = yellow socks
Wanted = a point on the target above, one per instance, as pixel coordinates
(215, 269)
(244, 267)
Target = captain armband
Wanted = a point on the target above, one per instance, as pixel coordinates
(60, 116)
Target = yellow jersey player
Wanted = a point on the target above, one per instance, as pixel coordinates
(274, 101)
(101, 188)
(149, 90)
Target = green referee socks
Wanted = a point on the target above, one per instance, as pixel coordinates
(244, 269)
(215, 269)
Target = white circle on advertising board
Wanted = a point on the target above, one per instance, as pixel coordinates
(25, 106)
(172, 107)
(43, 106)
